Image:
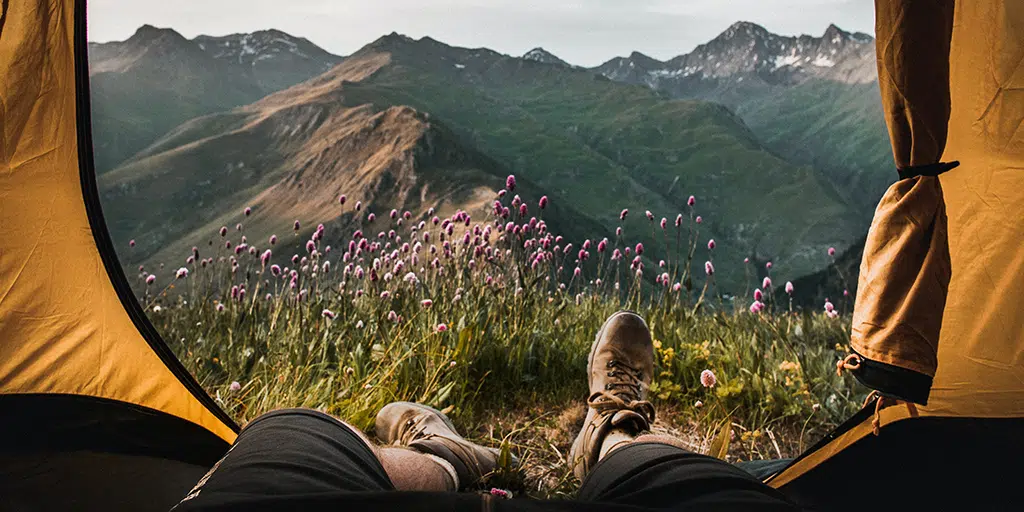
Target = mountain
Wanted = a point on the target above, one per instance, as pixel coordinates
(593, 145)
(157, 79)
(277, 60)
(543, 56)
(813, 100)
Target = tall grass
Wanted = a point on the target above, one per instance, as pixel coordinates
(493, 320)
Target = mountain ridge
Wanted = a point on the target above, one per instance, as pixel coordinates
(156, 79)
(553, 126)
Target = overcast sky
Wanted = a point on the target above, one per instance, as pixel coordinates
(583, 32)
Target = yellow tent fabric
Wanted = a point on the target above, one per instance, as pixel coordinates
(981, 346)
(63, 327)
(979, 363)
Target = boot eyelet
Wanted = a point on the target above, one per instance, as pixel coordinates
(611, 373)
(608, 386)
(611, 363)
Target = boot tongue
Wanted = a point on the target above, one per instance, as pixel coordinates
(627, 418)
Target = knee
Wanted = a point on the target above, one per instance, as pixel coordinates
(662, 439)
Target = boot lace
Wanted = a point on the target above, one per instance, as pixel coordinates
(623, 391)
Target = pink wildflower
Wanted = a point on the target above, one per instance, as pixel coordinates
(265, 257)
(223, 231)
(767, 283)
(708, 379)
(393, 316)
(829, 307)
(150, 279)
(342, 199)
(426, 303)
(371, 217)
(510, 183)
(622, 215)
(664, 222)
(543, 203)
(699, 219)
(711, 244)
(831, 251)
(359, 205)
(247, 211)
(650, 216)
(310, 246)
(275, 269)
(709, 269)
(789, 287)
(273, 239)
(131, 243)
(676, 287)
(328, 314)
(220, 307)
(181, 273)
(679, 220)
(639, 248)
(296, 226)
(758, 294)
(768, 265)
(441, 327)
(235, 386)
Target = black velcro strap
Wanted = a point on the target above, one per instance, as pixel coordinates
(893, 381)
(926, 170)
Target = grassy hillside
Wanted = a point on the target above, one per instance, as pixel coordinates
(497, 342)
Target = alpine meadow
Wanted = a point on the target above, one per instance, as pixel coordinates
(419, 221)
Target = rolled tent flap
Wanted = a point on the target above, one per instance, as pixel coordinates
(905, 271)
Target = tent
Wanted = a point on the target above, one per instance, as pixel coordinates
(97, 414)
(95, 410)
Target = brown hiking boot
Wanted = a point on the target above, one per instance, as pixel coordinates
(429, 431)
(619, 371)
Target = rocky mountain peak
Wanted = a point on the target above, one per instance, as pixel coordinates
(745, 30)
(541, 55)
(150, 36)
(264, 47)
(747, 50)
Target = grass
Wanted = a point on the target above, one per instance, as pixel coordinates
(501, 345)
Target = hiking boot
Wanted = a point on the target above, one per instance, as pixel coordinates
(619, 370)
(429, 431)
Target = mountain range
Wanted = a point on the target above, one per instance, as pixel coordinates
(271, 121)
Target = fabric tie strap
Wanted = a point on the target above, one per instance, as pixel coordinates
(935, 169)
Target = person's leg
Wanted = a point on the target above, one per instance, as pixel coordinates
(302, 452)
(429, 432)
(655, 472)
(617, 459)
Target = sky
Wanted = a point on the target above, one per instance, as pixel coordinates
(581, 32)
